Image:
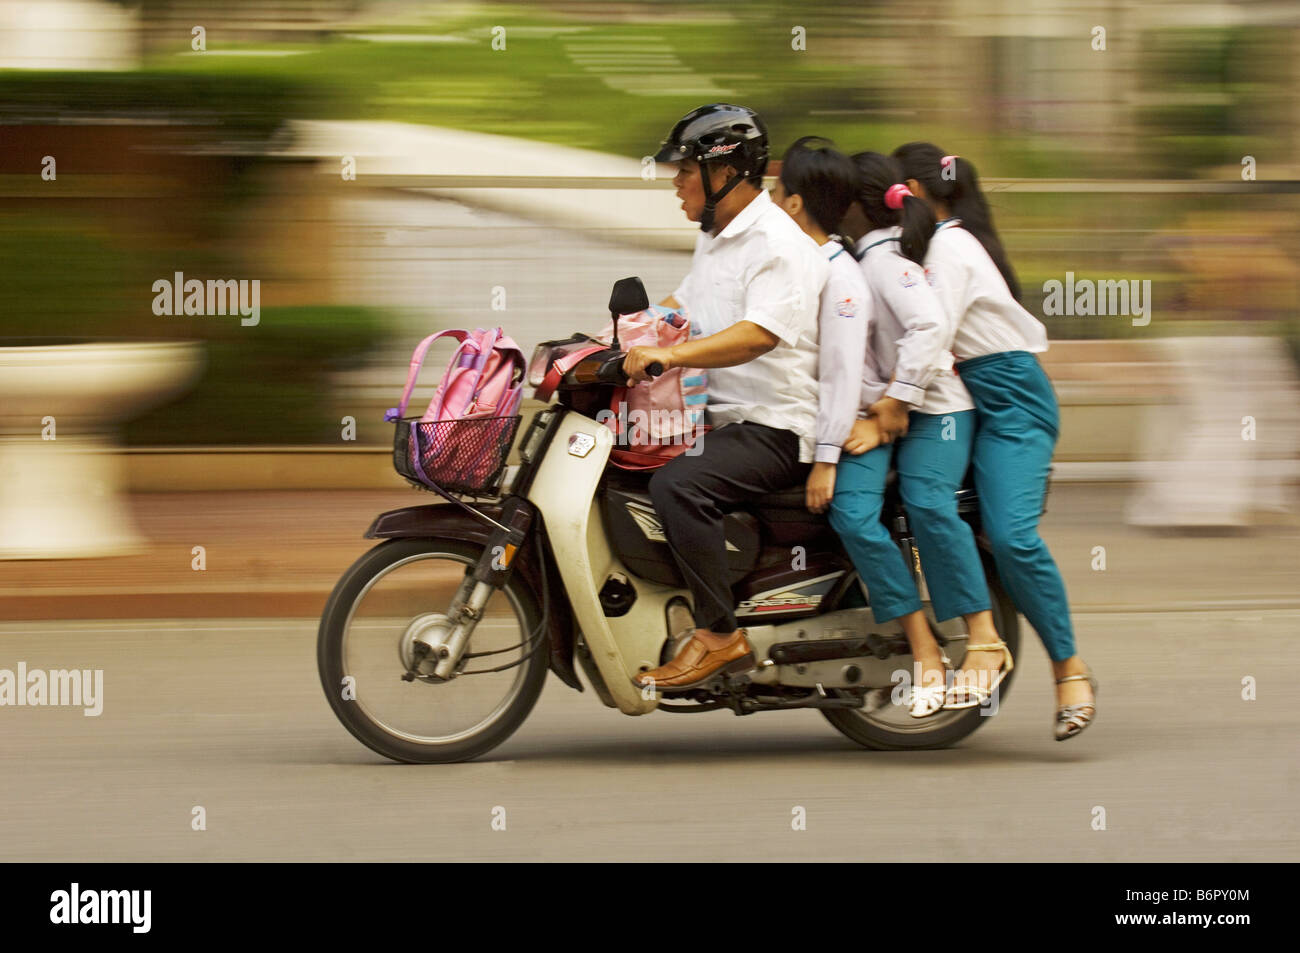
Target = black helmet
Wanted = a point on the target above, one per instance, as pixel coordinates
(718, 132)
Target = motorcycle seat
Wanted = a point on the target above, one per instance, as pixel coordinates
(787, 499)
(781, 503)
(786, 519)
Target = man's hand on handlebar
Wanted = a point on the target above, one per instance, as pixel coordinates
(640, 358)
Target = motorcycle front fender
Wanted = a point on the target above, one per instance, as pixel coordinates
(449, 521)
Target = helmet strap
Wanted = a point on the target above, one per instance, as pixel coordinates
(711, 198)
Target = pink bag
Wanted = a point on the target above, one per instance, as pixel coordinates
(660, 419)
(462, 440)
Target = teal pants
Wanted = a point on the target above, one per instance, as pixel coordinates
(1017, 422)
(855, 515)
(931, 462)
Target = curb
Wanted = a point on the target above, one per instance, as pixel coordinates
(165, 605)
(309, 605)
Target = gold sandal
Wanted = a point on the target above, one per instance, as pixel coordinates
(979, 694)
(1073, 719)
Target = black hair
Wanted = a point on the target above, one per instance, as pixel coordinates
(875, 174)
(823, 177)
(959, 190)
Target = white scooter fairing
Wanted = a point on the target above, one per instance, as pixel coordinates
(564, 491)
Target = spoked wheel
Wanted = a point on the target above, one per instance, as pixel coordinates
(402, 589)
(884, 723)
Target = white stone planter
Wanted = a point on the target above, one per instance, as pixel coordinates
(63, 498)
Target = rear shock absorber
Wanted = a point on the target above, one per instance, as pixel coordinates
(911, 555)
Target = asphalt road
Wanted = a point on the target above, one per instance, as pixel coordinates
(229, 716)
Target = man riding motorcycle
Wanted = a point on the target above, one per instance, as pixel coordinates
(751, 294)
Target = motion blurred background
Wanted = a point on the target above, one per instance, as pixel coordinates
(179, 493)
(388, 169)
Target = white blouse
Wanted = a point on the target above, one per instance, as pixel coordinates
(911, 332)
(842, 327)
(988, 319)
(761, 268)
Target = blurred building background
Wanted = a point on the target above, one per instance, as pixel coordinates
(1118, 141)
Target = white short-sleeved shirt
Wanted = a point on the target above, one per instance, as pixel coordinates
(911, 332)
(988, 319)
(761, 268)
(843, 326)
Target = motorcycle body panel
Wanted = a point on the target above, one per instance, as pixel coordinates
(564, 490)
(637, 536)
(789, 587)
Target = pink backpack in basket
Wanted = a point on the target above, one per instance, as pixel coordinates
(660, 419)
(484, 379)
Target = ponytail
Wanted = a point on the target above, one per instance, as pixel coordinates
(952, 180)
(885, 201)
(918, 228)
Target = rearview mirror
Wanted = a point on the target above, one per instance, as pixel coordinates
(628, 297)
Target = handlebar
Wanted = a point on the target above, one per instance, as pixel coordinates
(611, 370)
(603, 367)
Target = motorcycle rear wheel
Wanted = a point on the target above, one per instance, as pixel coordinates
(361, 640)
(901, 732)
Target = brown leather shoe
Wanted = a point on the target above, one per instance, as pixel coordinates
(697, 663)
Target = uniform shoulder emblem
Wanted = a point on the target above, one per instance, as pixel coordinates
(907, 279)
(931, 278)
(846, 308)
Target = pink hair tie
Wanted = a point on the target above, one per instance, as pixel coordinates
(895, 194)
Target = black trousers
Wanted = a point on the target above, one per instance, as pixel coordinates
(737, 463)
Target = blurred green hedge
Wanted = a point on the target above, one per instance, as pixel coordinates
(266, 384)
(248, 107)
(76, 268)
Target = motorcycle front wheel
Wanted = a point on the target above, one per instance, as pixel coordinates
(404, 588)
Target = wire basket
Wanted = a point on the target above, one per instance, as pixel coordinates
(456, 456)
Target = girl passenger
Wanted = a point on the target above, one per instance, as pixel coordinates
(1017, 420)
(816, 187)
(913, 380)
